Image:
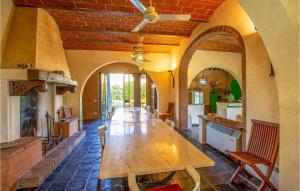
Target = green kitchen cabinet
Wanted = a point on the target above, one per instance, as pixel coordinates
(213, 97)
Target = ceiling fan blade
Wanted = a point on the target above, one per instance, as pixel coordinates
(175, 17)
(139, 5)
(140, 26)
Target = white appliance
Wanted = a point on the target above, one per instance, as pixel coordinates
(223, 138)
(194, 111)
(229, 110)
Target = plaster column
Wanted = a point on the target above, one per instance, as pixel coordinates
(137, 90)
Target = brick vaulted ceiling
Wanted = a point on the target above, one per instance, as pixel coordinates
(107, 24)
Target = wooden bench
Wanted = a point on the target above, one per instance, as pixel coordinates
(36, 175)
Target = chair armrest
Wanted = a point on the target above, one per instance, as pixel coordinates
(196, 177)
(132, 182)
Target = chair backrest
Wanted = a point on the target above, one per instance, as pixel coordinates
(170, 123)
(101, 132)
(132, 184)
(264, 140)
(170, 108)
(155, 113)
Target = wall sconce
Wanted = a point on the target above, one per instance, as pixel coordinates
(173, 79)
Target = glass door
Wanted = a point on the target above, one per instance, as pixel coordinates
(104, 98)
(143, 90)
(128, 92)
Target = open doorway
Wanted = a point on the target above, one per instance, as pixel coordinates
(122, 90)
(214, 90)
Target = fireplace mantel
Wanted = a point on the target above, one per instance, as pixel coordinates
(21, 87)
(38, 80)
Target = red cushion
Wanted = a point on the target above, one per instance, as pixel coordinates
(171, 187)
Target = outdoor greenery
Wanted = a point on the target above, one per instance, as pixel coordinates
(118, 96)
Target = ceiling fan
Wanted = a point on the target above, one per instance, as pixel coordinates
(151, 16)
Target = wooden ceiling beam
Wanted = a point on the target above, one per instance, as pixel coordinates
(115, 47)
(145, 34)
(116, 43)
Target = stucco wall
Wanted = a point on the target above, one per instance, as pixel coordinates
(228, 61)
(21, 42)
(83, 63)
(261, 86)
(50, 54)
(282, 43)
(7, 12)
(34, 39)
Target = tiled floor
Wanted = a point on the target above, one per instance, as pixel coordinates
(79, 171)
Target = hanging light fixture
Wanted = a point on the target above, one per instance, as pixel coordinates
(202, 80)
(138, 56)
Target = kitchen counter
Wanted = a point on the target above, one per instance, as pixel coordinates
(225, 122)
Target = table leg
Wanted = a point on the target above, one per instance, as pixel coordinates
(99, 184)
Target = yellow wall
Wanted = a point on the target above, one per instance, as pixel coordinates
(281, 43)
(34, 39)
(231, 62)
(50, 54)
(21, 42)
(7, 12)
(83, 63)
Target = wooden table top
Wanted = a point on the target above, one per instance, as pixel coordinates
(226, 122)
(146, 146)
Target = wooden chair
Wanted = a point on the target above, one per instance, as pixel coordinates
(133, 186)
(101, 132)
(155, 113)
(170, 123)
(169, 113)
(110, 115)
(262, 149)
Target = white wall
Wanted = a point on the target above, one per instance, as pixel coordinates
(10, 105)
(48, 102)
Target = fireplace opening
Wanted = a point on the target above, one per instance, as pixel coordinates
(29, 114)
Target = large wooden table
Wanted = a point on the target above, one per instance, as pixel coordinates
(143, 145)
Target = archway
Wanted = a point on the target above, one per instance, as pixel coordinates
(92, 82)
(186, 58)
(210, 91)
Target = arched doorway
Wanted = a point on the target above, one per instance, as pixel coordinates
(186, 58)
(210, 89)
(115, 85)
